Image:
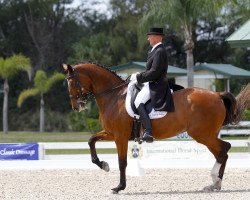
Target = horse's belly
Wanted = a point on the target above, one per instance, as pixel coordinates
(166, 128)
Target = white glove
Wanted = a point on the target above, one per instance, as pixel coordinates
(133, 78)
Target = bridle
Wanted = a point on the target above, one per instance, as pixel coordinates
(84, 97)
(80, 96)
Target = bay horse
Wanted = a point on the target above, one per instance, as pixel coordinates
(200, 112)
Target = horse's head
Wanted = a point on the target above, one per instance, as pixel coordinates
(78, 88)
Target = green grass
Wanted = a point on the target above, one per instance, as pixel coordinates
(79, 151)
(237, 137)
(29, 137)
(239, 149)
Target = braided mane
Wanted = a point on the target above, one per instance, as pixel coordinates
(106, 68)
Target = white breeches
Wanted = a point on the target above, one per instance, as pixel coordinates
(143, 96)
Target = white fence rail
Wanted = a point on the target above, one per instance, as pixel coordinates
(241, 124)
(111, 145)
(76, 145)
(235, 132)
(242, 128)
(223, 132)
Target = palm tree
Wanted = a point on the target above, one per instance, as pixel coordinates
(182, 16)
(9, 67)
(42, 85)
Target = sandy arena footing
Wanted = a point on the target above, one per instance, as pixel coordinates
(157, 184)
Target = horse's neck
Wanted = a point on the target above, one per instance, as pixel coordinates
(102, 79)
(103, 84)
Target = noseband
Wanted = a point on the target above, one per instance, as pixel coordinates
(81, 97)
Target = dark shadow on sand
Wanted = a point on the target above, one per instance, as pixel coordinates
(184, 192)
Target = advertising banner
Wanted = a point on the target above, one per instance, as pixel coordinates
(19, 151)
(168, 150)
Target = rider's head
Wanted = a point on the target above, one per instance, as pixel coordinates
(155, 35)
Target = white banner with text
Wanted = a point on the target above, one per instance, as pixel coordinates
(168, 150)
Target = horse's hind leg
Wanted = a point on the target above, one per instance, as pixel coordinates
(99, 136)
(219, 149)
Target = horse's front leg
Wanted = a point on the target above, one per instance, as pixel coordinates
(99, 136)
(122, 148)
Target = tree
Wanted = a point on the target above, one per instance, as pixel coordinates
(93, 48)
(239, 10)
(112, 41)
(42, 84)
(182, 15)
(9, 67)
(42, 30)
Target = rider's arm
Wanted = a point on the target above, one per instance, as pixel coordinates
(158, 67)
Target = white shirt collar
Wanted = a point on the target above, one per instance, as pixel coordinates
(155, 46)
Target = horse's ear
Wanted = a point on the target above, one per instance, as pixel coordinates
(67, 68)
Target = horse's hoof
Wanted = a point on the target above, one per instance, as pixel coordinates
(105, 166)
(209, 188)
(212, 188)
(118, 188)
(114, 191)
(217, 185)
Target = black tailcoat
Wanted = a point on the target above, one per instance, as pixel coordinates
(156, 75)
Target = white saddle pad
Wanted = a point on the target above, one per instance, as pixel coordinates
(152, 115)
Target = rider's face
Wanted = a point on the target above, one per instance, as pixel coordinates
(154, 39)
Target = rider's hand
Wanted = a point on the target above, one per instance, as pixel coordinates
(133, 78)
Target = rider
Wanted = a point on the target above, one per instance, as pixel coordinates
(154, 81)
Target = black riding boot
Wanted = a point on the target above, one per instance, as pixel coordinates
(146, 123)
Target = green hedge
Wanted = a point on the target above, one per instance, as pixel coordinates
(246, 115)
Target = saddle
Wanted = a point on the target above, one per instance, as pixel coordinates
(132, 92)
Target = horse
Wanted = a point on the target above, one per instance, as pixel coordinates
(200, 112)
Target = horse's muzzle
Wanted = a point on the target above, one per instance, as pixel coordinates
(79, 107)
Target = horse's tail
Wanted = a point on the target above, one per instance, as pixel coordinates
(230, 104)
(236, 106)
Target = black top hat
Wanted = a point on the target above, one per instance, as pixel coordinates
(155, 31)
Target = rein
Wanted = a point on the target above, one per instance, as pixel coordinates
(89, 95)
